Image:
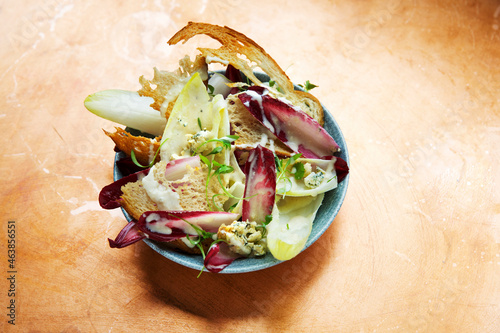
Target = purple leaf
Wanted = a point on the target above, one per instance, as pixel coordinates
(110, 195)
(295, 128)
(260, 189)
(341, 168)
(260, 186)
(218, 257)
(233, 75)
(166, 226)
(130, 234)
(127, 166)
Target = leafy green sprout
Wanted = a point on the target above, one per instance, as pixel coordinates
(272, 84)
(299, 170)
(282, 170)
(307, 86)
(217, 168)
(199, 124)
(211, 90)
(225, 141)
(264, 224)
(334, 177)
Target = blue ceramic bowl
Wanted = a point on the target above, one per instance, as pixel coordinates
(324, 218)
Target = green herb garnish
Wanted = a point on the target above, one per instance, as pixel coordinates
(225, 141)
(272, 84)
(134, 158)
(308, 86)
(332, 178)
(299, 170)
(211, 90)
(264, 224)
(202, 235)
(282, 171)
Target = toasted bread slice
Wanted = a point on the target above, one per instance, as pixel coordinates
(192, 196)
(250, 130)
(246, 55)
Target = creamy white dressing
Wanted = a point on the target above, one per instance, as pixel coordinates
(141, 176)
(186, 241)
(160, 228)
(159, 225)
(262, 143)
(255, 96)
(151, 154)
(165, 198)
(263, 139)
(271, 146)
(152, 217)
(293, 145)
(156, 223)
(210, 59)
(289, 103)
(267, 123)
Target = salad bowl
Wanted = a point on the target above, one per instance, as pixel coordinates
(324, 218)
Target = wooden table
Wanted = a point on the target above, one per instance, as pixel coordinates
(414, 86)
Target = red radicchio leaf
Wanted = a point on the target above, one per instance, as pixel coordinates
(166, 226)
(109, 197)
(218, 257)
(260, 186)
(233, 75)
(341, 168)
(127, 166)
(130, 234)
(295, 128)
(260, 189)
(176, 169)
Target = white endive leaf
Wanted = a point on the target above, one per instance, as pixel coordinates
(127, 108)
(291, 225)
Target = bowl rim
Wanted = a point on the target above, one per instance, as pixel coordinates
(333, 198)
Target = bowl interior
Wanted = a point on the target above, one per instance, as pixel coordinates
(328, 210)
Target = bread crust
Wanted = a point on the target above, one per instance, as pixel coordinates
(144, 148)
(246, 55)
(165, 83)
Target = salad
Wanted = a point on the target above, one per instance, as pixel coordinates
(224, 166)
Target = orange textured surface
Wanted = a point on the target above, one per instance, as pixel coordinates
(414, 85)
